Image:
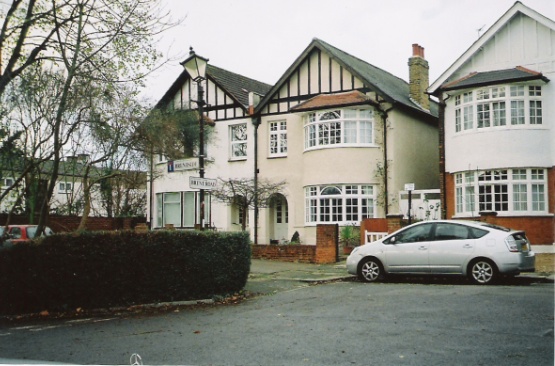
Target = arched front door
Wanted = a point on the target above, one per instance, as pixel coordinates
(279, 218)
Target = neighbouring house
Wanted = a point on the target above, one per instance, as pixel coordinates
(229, 151)
(497, 126)
(113, 193)
(345, 135)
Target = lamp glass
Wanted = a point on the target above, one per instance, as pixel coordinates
(196, 67)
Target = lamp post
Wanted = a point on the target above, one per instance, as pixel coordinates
(196, 68)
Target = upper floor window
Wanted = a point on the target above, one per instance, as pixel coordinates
(514, 191)
(498, 106)
(64, 187)
(278, 138)
(340, 127)
(238, 141)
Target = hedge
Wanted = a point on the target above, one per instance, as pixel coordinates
(98, 270)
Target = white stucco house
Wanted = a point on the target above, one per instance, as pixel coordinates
(345, 135)
(497, 125)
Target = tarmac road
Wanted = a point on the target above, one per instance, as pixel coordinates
(417, 321)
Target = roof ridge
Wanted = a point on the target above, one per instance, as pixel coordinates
(237, 74)
(359, 59)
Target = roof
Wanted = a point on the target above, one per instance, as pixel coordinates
(390, 87)
(517, 8)
(237, 86)
(332, 100)
(476, 79)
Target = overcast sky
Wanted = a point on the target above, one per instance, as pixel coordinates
(260, 39)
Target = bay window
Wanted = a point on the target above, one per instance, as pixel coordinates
(339, 127)
(343, 204)
(491, 107)
(511, 191)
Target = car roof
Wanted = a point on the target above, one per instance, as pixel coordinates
(473, 223)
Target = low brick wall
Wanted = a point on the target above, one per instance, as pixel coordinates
(71, 223)
(325, 250)
(286, 253)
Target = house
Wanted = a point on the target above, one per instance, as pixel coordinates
(126, 189)
(229, 151)
(345, 135)
(497, 126)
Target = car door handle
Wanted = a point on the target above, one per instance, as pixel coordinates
(467, 246)
(423, 248)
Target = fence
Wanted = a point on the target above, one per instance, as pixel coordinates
(425, 204)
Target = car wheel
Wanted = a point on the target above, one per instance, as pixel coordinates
(370, 270)
(482, 272)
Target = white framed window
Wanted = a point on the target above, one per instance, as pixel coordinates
(339, 127)
(500, 106)
(343, 204)
(238, 141)
(181, 209)
(278, 138)
(506, 191)
(65, 187)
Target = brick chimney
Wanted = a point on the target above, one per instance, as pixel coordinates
(419, 79)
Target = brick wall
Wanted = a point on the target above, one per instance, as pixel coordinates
(286, 253)
(325, 250)
(71, 223)
(372, 225)
(327, 244)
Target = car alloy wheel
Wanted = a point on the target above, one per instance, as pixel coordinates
(482, 272)
(370, 270)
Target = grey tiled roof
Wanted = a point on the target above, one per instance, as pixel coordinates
(236, 85)
(387, 85)
(493, 77)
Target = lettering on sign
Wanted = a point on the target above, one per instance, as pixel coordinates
(186, 164)
(202, 183)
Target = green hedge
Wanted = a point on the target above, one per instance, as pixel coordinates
(96, 270)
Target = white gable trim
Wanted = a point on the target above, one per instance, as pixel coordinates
(488, 35)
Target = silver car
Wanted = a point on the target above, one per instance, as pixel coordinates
(478, 250)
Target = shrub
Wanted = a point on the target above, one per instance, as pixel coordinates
(95, 270)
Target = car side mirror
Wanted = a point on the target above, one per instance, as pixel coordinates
(390, 240)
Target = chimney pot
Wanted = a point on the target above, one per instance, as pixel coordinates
(418, 76)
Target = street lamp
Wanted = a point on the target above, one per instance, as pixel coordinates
(196, 68)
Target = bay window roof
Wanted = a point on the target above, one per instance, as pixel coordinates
(495, 77)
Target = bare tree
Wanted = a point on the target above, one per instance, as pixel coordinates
(243, 194)
(90, 47)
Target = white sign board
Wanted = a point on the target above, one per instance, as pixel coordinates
(185, 164)
(409, 187)
(202, 183)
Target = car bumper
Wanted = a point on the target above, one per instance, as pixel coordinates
(352, 263)
(514, 263)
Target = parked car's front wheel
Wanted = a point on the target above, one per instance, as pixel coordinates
(370, 270)
(482, 272)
